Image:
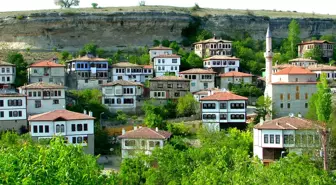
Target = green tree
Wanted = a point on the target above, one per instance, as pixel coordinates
(263, 108)
(187, 105)
(293, 38)
(64, 56)
(311, 114)
(94, 5)
(174, 46)
(315, 53)
(153, 116)
(156, 42)
(21, 67)
(323, 100)
(194, 61)
(90, 48)
(165, 43)
(66, 3)
(101, 141)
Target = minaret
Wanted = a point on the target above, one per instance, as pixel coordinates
(268, 58)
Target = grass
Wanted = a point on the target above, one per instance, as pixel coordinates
(199, 12)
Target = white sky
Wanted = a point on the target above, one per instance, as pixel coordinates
(321, 6)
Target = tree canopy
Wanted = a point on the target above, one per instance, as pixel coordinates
(66, 3)
(21, 67)
(187, 105)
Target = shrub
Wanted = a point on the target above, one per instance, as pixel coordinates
(142, 3)
(178, 129)
(195, 7)
(94, 5)
(20, 17)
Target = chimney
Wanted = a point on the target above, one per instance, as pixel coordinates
(123, 131)
(261, 121)
(135, 127)
(84, 112)
(90, 113)
(156, 129)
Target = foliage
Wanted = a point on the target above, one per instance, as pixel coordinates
(194, 60)
(101, 141)
(94, 5)
(90, 48)
(187, 105)
(293, 38)
(21, 67)
(323, 101)
(315, 53)
(245, 89)
(195, 7)
(311, 114)
(174, 46)
(178, 129)
(66, 3)
(64, 56)
(153, 116)
(20, 17)
(165, 43)
(156, 42)
(122, 117)
(26, 162)
(263, 108)
(142, 3)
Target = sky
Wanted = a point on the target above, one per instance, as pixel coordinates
(321, 6)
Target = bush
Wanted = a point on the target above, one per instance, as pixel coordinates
(178, 129)
(122, 117)
(195, 7)
(20, 17)
(94, 5)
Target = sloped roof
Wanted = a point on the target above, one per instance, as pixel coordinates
(42, 85)
(10, 94)
(46, 63)
(89, 58)
(235, 73)
(168, 56)
(223, 96)
(212, 40)
(287, 123)
(60, 114)
(160, 48)
(302, 60)
(205, 91)
(148, 67)
(198, 71)
(169, 78)
(3, 63)
(321, 67)
(146, 133)
(316, 42)
(123, 83)
(294, 70)
(126, 64)
(221, 57)
(281, 66)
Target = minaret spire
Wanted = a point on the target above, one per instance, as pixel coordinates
(268, 59)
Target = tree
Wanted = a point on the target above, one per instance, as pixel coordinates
(21, 67)
(94, 5)
(174, 46)
(186, 105)
(165, 43)
(293, 38)
(101, 141)
(156, 42)
(315, 53)
(194, 60)
(311, 114)
(323, 100)
(153, 116)
(66, 3)
(263, 108)
(90, 48)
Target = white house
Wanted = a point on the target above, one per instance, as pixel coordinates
(234, 77)
(46, 71)
(222, 110)
(43, 97)
(13, 110)
(199, 78)
(76, 128)
(159, 50)
(221, 64)
(303, 62)
(273, 138)
(7, 74)
(167, 64)
(318, 69)
(131, 72)
(205, 92)
(142, 139)
(122, 95)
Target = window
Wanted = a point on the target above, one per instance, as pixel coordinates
(272, 138)
(281, 96)
(46, 128)
(222, 105)
(41, 129)
(209, 106)
(79, 140)
(179, 85)
(74, 140)
(39, 93)
(237, 116)
(56, 101)
(193, 77)
(209, 116)
(223, 117)
(193, 84)
(73, 127)
(297, 95)
(281, 105)
(86, 80)
(118, 101)
(288, 96)
(237, 105)
(2, 114)
(79, 127)
(277, 139)
(35, 129)
(288, 105)
(160, 86)
(29, 93)
(177, 94)
(129, 142)
(306, 96)
(265, 138)
(205, 85)
(40, 79)
(174, 61)
(297, 88)
(58, 128)
(38, 104)
(85, 127)
(8, 79)
(128, 101)
(34, 94)
(306, 105)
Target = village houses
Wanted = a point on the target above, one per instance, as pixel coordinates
(199, 78)
(169, 87)
(326, 47)
(167, 64)
(43, 97)
(46, 71)
(221, 64)
(7, 74)
(234, 77)
(221, 110)
(159, 50)
(122, 95)
(142, 139)
(131, 72)
(77, 128)
(274, 138)
(13, 110)
(212, 47)
(87, 72)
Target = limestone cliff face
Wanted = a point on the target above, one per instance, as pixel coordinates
(115, 30)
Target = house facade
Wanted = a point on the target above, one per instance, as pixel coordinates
(46, 71)
(212, 47)
(122, 95)
(222, 110)
(87, 72)
(13, 110)
(159, 50)
(205, 92)
(142, 139)
(131, 72)
(7, 74)
(167, 64)
(326, 47)
(274, 138)
(303, 62)
(168, 87)
(234, 77)
(199, 78)
(43, 97)
(221, 64)
(76, 128)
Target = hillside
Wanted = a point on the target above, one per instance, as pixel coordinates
(126, 27)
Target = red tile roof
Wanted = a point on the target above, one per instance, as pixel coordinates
(198, 71)
(146, 133)
(316, 42)
(160, 48)
(42, 85)
(293, 83)
(223, 96)
(235, 73)
(221, 57)
(294, 70)
(90, 59)
(168, 78)
(123, 83)
(205, 91)
(46, 63)
(287, 123)
(321, 67)
(60, 114)
(126, 64)
(168, 56)
(148, 67)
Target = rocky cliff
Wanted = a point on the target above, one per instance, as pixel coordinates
(120, 29)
